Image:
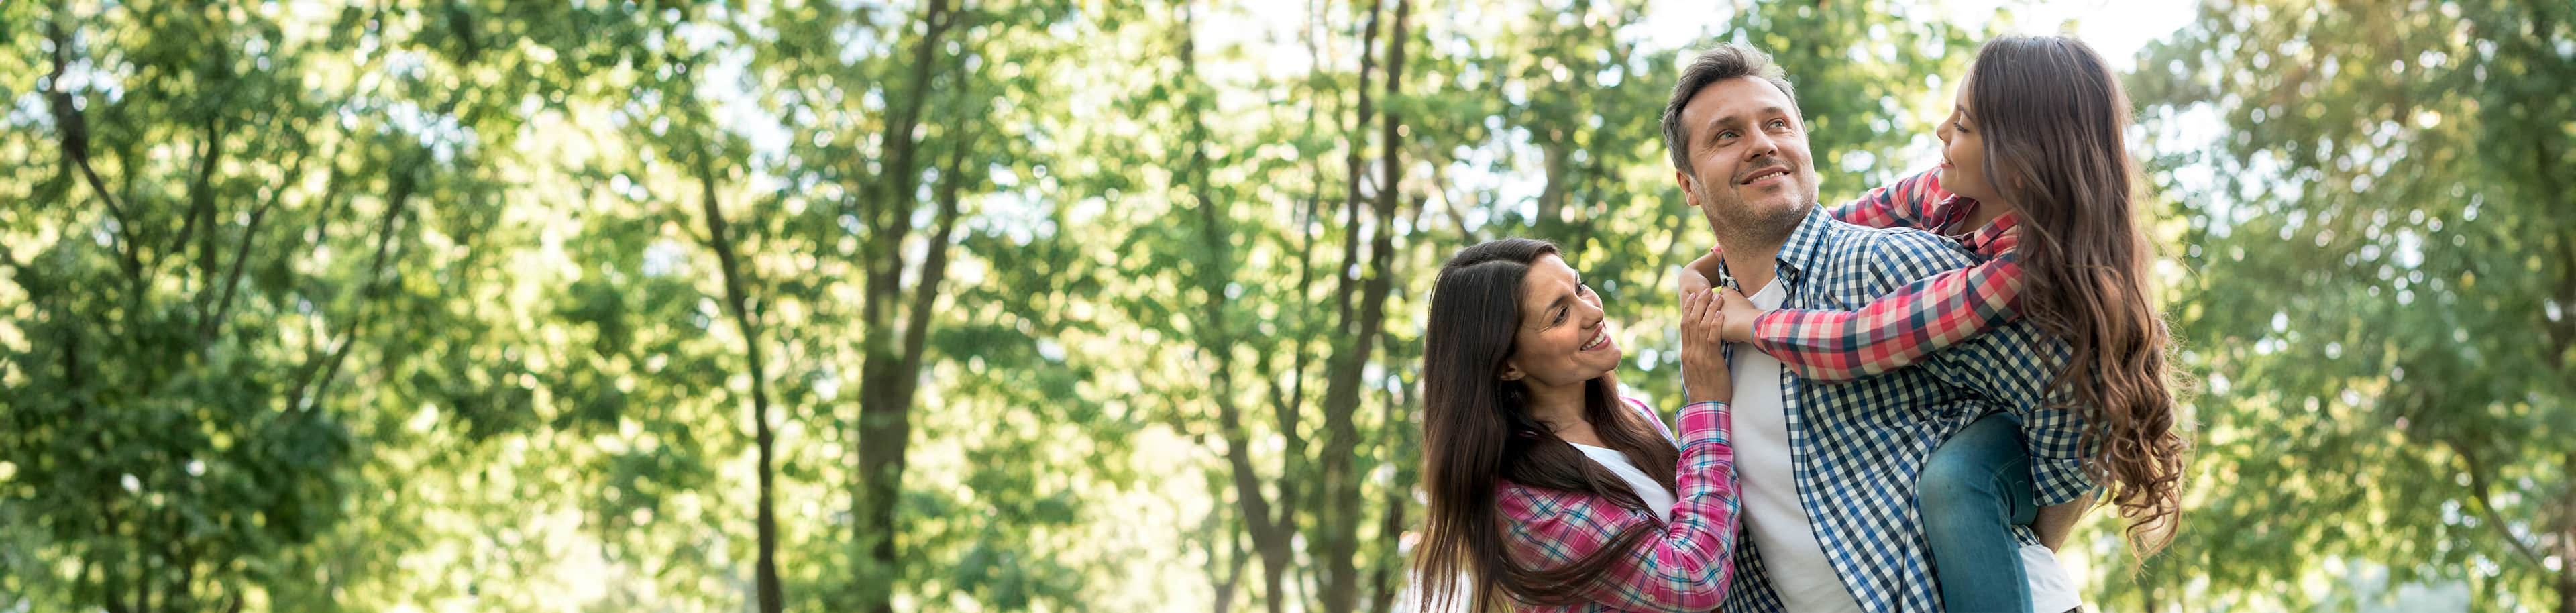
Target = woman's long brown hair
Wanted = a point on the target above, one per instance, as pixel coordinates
(2052, 115)
(1477, 433)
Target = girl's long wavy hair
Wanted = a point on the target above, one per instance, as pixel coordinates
(2052, 114)
(1477, 433)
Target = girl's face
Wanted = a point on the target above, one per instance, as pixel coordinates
(1963, 154)
(1563, 339)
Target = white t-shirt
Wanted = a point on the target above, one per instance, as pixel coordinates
(1799, 572)
(1656, 497)
(2051, 589)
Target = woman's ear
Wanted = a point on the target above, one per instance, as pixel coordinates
(1512, 372)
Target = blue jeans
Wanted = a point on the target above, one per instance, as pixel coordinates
(1973, 490)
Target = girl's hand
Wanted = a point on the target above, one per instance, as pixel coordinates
(1692, 282)
(1739, 313)
(1695, 275)
(1704, 374)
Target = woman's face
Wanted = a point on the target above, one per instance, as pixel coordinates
(1563, 338)
(1963, 154)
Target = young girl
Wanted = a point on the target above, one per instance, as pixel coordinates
(2032, 156)
(1547, 490)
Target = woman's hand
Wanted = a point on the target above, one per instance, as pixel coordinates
(1704, 374)
(1739, 313)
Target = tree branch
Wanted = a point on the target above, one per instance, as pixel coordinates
(1355, 171)
(770, 595)
(75, 136)
(314, 377)
(934, 266)
(2480, 490)
(241, 253)
(201, 198)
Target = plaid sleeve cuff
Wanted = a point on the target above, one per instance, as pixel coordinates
(2056, 481)
(1705, 422)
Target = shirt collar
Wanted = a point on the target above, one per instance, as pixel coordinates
(1802, 252)
(1954, 209)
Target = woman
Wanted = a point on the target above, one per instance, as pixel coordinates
(1547, 490)
(2033, 156)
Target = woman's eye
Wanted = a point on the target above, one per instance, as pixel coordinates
(1560, 316)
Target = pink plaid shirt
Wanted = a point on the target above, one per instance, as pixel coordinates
(1902, 327)
(1687, 567)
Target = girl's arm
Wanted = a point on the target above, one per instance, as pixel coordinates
(1892, 331)
(1900, 328)
(1904, 203)
(1687, 566)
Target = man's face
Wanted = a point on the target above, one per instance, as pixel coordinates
(1748, 155)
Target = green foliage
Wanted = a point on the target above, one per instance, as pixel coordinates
(2380, 272)
(419, 306)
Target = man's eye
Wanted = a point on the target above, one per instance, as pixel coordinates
(1775, 123)
(1726, 135)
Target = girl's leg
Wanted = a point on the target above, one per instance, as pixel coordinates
(1973, 490)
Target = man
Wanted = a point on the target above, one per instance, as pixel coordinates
(1829, 471)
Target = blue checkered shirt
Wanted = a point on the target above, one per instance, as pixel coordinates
(1858, 446)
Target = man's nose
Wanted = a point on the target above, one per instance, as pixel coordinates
(1760, 145)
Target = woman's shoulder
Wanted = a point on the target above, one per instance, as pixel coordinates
(1509, 494)
(1522, 504)
(1652, 416)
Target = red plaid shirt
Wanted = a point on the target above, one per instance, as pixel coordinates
(1901, 327)
(1688, 567)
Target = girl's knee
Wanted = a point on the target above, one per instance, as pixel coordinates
(1953, 482)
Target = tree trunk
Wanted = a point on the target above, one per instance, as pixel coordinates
(1555, 166)
(1343, 507)
(765, 568)
(1215, 339)
(2567, 536)
(889, 366)
(1401, 451)
(1351, 204)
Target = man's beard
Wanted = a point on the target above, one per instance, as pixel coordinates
(1744, 224)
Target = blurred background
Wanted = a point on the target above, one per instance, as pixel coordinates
(1016, 305)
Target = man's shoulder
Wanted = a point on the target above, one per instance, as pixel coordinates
(1906, 252)
(1895, 237)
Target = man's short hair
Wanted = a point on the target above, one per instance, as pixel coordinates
(1718, 63)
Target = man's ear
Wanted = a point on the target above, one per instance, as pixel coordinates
(1689, 193)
